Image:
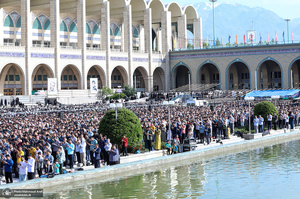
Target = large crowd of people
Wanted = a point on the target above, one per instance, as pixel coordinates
(42, 141)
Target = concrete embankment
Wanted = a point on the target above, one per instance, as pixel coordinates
(77, 179)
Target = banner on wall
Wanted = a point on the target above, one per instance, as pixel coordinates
(52, 88)
(94, 85)
(251, 37)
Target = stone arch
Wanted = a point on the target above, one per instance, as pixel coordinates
(265, 79)
(182, 79)
(294, 73)
(12, 80)
(138, 5)
(211, 73)
(96, 71)
(119, 77)
(70, 78)
(191, 13)
(242, 77)
(40, 76)
(175, 9)
(159, 79)
(140, 79)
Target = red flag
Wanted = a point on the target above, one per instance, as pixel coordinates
(244, 39)
(221, 41)
(268, 38)
(276, 36)
(292, 36)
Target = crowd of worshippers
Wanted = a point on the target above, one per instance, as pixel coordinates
(41, 142)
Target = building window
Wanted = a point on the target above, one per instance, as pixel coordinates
(202, 77)
(6, 78)
(89, 77)
(115, 77)
(119, 77)
(98, 76)
(39, 77)
(70, 77)
(65, 77)
(231, 76)
(17, 77)
(11, 78)
(75, 79)
(45, 77)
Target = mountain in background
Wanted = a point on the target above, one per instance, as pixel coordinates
(236, 19)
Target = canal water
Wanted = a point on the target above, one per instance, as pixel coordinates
(268, 172)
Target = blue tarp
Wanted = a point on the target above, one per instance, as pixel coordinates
(269, 93)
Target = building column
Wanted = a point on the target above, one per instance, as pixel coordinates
(26, 42)
(127, 21)
(197, 24)
(105, 38)
(148, 45)
(55, 28)
(182, 34)
(81, 38)
(166, 27)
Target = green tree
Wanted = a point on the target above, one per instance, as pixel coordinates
(117, 96)
(264, 109)
(218, 43)
(129, 91)
(126, 123)
(273, 41)
(105, 92)
(190, 45)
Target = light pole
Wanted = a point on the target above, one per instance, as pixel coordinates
(189, 82)
(249, 99)
(213, 2)
(287, 26)
(169, 103)
(116, 106)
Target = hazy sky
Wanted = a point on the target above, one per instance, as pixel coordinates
(284, 8)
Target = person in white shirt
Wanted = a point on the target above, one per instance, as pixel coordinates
(82, 150)
(269, 122)
(261, 124)
(23, 166)
(31, 167)
(256, 121)
(107, 148)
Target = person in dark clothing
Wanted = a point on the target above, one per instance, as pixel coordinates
(97, 156)
(8, 163)
(274, 120)
(207, 134)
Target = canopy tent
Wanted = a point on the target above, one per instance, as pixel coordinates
(269, 93)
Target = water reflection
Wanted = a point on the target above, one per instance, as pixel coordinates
(268, 172)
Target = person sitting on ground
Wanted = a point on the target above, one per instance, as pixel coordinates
(168, 146)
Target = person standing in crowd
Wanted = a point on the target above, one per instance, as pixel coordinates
(23, 167)
(70, 148)
(8, 164)
(274, 121)
(291, 120)
(77, 150)
(220, 128)
(56, 168)
(49, 157)
(94, 142)
(269, 122)
(202, 132)
(55, 146)
(31, 167)
(157, 139)
(287, 119)
(149, 138)
(39, 164)
(168, 146)
(256, 121)
(261, 123)
(280, 121)
(97, 156)
(60, 158)
(231, 124)
(87, 149)
(208, 134)
(124, 143)
(107, 148)
(114, 155)
(175, 149)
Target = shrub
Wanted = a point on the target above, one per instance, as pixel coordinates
(127, 123)
(117, 96)
(264, 109)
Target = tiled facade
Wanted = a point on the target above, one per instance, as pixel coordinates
(78, 35)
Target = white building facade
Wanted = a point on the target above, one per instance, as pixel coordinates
(119, 42)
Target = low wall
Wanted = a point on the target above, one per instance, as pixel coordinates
(75, 180)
